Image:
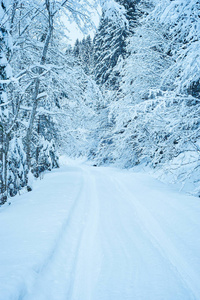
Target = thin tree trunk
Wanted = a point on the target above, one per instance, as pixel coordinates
(37, 150)
(1, 165)
(4, 147)
(36, 89)
(31, 123)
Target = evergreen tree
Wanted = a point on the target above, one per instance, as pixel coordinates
(118, 22)
(76, 49)
(109, 43)
(16, 174)
(83, 51)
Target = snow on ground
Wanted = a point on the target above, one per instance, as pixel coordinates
(88, 233)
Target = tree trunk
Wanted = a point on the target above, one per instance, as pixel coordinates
(4, 147)
(1, 165)
(37, 171)
(36, 90)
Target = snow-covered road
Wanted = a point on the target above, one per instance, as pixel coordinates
(88, 233)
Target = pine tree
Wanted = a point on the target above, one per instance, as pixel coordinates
(16, 177)
(109, 43)
(118, 22)
(83, 51)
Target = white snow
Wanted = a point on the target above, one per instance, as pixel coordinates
(87, 233)
(114, 12)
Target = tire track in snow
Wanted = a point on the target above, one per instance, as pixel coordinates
(45, 272)
(116, 258)
(162, 242)
(123, 242)
(88, 257)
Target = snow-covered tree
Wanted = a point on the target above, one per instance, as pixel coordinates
(109, 43)
(118, 22)
(181, 19)
(30, 98)
(83, 51)
(148, 60)
(79, 119)
(5, 112)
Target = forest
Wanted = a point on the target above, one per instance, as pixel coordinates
(128, 97)
(99, 149)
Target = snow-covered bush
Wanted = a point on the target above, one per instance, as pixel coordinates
(16, 166)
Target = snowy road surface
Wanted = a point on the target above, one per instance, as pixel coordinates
(88, 233)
